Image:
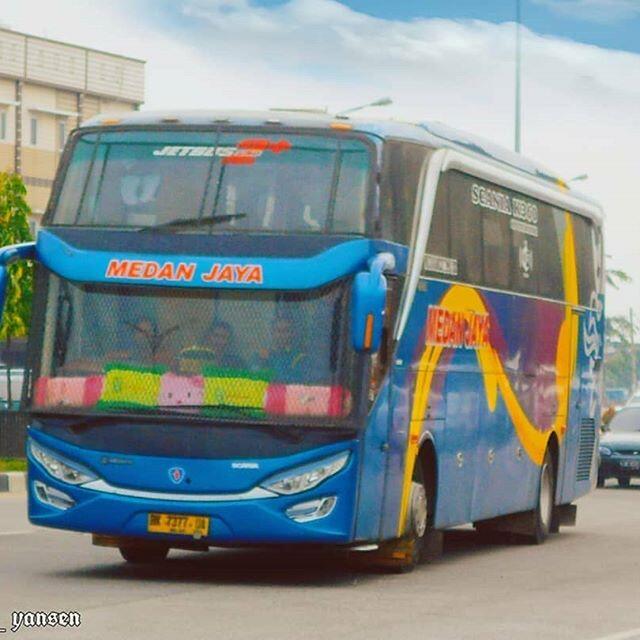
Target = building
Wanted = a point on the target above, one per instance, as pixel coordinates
(46, 89)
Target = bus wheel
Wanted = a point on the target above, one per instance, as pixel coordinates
(600, 482)
(624, 482)
(144, 553)
(420, 542)
(404, 554)
(545, 508)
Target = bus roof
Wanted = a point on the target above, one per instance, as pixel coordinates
(433, 134)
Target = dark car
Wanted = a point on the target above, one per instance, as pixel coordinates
(620, 448)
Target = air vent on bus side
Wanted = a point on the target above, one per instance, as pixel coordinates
(586, 445)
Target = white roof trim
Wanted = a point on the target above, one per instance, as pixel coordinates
(8, 103)
(428, 188)
(513, 179)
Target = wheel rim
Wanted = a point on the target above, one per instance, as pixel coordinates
(546, 496)
(419, 511)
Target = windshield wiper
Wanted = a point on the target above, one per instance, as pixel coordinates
(195, 222)
(85, 422)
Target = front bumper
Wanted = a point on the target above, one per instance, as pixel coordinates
(618, 466)
(262, 520)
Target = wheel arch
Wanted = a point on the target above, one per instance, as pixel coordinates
(428, 460)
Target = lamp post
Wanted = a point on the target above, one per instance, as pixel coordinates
(518, 98)
(380, 102)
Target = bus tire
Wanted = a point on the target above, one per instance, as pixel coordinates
(545, 511)
(421, 543)
(624, 482)
(144, 553)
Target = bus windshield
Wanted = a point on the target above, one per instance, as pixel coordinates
(202, 181)
(226, 354)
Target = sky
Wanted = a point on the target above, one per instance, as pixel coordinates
(439, 60)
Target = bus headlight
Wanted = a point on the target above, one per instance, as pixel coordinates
(59, 468)
(307, 477)
(605, 451)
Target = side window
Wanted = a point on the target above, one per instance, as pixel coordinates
(465, 229)
(485, 234)
(438, 256)
(401, 168)
(496, 258)
(551, 283)
(582, 229)
(526, 262)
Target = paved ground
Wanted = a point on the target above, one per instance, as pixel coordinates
(584, 583)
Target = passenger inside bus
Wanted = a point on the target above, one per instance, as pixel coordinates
(216, 348)
(286, 357)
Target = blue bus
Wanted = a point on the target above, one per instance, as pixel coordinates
(292, 328)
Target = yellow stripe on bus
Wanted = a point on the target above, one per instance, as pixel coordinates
(463, 298)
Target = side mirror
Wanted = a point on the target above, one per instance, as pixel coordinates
(368, 303)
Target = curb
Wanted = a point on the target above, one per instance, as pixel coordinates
(13, 482)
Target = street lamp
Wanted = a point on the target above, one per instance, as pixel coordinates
(380, 102)
(518, 108)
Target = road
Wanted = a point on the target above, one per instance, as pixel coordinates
(583, 583)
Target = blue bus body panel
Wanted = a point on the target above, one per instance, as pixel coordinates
(486, 467)
(275, 271)
(373, 468)
(489, 411)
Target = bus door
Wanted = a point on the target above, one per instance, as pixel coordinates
(457, 461)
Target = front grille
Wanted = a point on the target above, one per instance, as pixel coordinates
(586, 445)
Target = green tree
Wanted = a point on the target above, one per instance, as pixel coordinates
(619, 359)
(14, 229)
(616, 277)
(618, 371)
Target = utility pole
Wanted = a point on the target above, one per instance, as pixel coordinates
(518, 107)
(634, 374)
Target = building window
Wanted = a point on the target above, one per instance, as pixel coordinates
(34, 227)
(62, 134)
(34, 132)
(3, 125)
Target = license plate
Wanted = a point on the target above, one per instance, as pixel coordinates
(196, 526)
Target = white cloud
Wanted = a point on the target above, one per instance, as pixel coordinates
(580, 102)
(604, 11)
